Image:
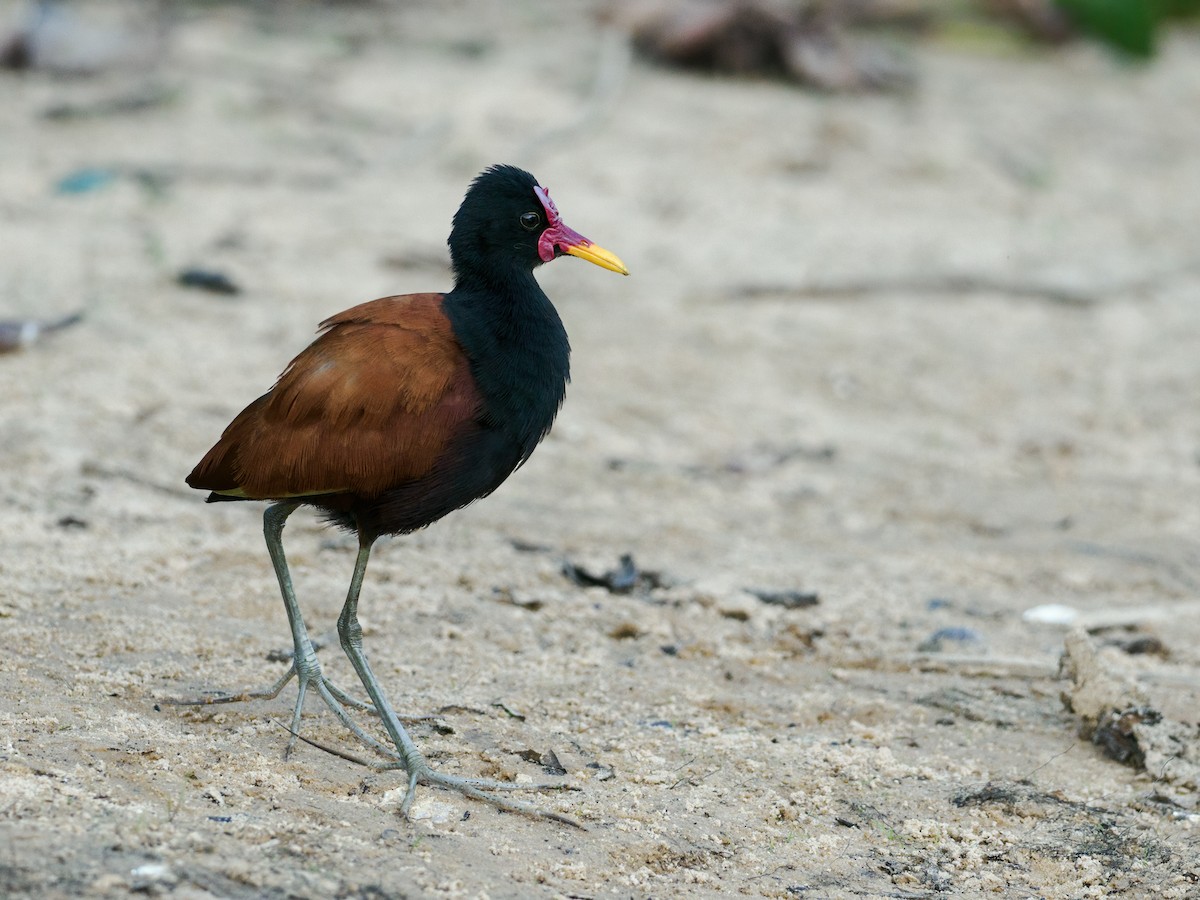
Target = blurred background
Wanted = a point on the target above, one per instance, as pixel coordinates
(902, 386)
(840, 215)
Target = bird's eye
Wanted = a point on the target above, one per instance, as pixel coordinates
(530, 221)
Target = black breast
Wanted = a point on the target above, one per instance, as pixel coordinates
(519, 359)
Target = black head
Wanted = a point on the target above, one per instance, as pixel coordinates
(508, 223)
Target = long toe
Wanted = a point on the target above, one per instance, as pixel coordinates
(483, 790)
(334, 697)
(216, 697)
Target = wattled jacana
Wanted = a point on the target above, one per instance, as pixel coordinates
(403, 410)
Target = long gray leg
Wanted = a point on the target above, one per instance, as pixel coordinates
(305, 666)
(350, 633)
(411, 759)
(304, 660)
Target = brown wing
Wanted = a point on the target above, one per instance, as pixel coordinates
(369, 405)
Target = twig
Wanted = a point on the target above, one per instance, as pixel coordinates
(981, 666)
(333, 751)
(950, 283)
(1175, 570)
(21, 333)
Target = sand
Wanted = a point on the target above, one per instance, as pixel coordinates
(930, 358)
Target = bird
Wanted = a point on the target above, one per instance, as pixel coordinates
(403, 410)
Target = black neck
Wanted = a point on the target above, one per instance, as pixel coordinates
(517, 346)
(499, 280)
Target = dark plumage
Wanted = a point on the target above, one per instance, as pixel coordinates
(409, 407)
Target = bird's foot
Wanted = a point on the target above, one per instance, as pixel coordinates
(481, 789)
(420, 772)
(308, 675)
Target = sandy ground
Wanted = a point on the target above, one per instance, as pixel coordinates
(931, 358)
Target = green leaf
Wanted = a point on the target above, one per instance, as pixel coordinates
(1128, 25)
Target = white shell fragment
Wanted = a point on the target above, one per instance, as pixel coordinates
(1051, 614)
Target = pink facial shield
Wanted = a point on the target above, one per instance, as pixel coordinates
(556, 232)
(557, 236)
